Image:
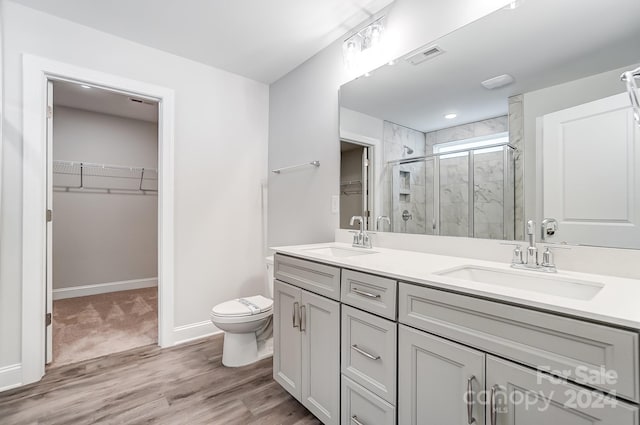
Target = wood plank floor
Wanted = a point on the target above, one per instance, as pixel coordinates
(180, 385)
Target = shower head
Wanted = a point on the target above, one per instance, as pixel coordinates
(408, 149)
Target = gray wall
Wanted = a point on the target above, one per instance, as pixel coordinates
(100, 237)
(303, 118)
(221, 127)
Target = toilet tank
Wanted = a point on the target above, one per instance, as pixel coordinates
(269, 276)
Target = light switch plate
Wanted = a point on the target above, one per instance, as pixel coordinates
(335, 204)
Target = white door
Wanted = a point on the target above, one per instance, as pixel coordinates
(320, 327)
(440, 382)
(522, 396)
(49, 267)
(591, 173)
(286, 337)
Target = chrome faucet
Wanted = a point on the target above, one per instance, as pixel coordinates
(531, 262)
(382, 218)
(361, 239)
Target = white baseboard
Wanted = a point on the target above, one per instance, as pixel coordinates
(10, 377)
(193, 331)
(103, 288)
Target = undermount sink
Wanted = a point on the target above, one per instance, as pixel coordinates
(527, 281)
(332, 251)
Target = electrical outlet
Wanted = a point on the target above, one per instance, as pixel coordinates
(335, 204)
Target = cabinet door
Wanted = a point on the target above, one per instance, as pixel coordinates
(434, 375)
(287, 337)
(522, 396)
(320, 326)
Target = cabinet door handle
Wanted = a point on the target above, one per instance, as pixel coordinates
(296, 308)
(303, 318)
(470, 399)
(365, 294)
(493, 407)
(364, 353)
(355, 420)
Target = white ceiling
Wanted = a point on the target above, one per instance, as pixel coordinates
(259, 39)
(103, 101)
(541, 43)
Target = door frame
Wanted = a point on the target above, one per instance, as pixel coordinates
(36, 73)
(374, 170)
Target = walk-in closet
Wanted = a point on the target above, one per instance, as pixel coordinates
(103, 239)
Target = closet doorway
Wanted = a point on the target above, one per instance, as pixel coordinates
(355, 177)
(102, 229)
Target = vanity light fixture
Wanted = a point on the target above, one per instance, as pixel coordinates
(450, 116)
(498, 81)
(366, 38)
(514, 4)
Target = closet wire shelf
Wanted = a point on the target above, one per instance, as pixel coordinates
(71, 176)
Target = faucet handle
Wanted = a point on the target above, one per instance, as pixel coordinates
(517, 252)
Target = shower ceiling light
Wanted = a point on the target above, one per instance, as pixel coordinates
(84, 86)
(450, 116)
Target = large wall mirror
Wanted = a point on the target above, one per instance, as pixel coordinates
(518, 116)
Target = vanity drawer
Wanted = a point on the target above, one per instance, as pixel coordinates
(315, 277)
(374, 294)
(369, 351)
(361, 407)
(541, 340)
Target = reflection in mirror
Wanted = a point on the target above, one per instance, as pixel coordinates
(520, 115)
(353, 183)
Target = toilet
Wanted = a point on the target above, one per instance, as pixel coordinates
(247, 325)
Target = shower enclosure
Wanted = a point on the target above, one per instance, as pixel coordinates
(466, 192)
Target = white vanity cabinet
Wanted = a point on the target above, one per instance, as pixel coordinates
(306, 358)
(520, 396)
(375, 351)
(440, 382)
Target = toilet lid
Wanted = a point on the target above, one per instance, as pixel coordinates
(246, 306)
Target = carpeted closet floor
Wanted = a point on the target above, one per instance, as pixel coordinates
(93, 326)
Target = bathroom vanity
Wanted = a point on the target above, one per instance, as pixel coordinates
(382, 336)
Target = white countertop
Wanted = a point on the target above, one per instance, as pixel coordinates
(617, 303)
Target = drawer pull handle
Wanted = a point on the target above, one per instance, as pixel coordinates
(303, 318)
(355, 420)
(364, 353)
(470, 399)
(365, 294)
(493, 407)
(296, 315)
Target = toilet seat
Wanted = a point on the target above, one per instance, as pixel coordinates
(242, 310)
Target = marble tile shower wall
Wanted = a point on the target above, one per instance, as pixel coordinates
(409, 187)
(488, 181)
(489, 205)
(454, 196)
(406, 190)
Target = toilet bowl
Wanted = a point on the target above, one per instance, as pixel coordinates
(247, 325)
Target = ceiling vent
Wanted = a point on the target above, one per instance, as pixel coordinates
(425, 54)
(497, 82)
